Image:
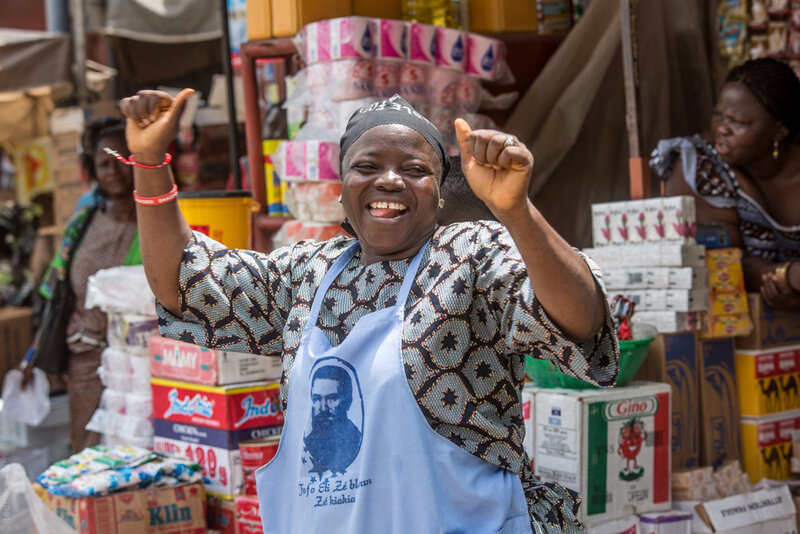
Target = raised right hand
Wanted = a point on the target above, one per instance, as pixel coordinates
(152, 122)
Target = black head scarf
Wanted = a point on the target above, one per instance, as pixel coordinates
(775, 86)
(393, 110)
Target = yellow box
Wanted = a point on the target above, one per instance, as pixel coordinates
(767, 445)
(259, 19)
(768, 381)
(275, 187)
(492, 16)
(725, 270)
(289, 16)
(381, 9)
(732, 325)
(728, 303)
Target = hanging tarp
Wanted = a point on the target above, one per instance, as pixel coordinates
(33, 59)
(164, 21)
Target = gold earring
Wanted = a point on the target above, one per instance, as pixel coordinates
(776, 150)
(441, 203)
(340, 199)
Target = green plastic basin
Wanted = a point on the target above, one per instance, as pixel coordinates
(631, 356)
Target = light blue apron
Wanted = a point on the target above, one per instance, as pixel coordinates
(358, 456)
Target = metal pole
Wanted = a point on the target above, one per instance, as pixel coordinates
(233, 131)
(79, 55)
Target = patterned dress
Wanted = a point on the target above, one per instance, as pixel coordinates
(714, 181)
(470, 317)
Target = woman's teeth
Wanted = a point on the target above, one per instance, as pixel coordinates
(387, 210)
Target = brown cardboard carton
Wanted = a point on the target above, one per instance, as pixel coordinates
(15, 337)
(166, 510)
(671, 358)
(381, 9)
(719, 404)
(289, 16)
(496, 16)
(771, 328)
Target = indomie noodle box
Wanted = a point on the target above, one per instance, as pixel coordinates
(611, 445)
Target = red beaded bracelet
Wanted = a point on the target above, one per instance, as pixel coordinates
(156, 201)
(130, 161)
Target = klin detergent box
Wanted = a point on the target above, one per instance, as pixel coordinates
(215, 450)
(768, 380)
(719, 402)
(233, 407)
(649, 255)
(613, 446)
(672, 359)
(191, 363)
(164, 510)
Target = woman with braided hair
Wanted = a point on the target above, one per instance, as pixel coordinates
(746, 175)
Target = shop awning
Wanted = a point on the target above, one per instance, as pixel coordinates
(164, 21)
(33, 59)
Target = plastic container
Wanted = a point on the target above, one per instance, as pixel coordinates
(631, 356)
(224, 216)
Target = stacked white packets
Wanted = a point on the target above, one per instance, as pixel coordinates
(648, 253)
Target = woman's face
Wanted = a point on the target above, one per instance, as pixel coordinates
(743, 130)
(115, 178)
(390, 191)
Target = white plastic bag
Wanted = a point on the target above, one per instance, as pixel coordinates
(21, 510)
(29, 405)
(121, 289)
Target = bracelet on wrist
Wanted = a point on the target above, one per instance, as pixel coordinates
(130, 160)
(156, 201)
(782, 273)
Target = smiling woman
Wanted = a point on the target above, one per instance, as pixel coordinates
(428, 324)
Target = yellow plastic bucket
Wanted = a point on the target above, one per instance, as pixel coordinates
(224, 216)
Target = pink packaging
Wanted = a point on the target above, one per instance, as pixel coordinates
(468, 94)
(442, 86)
(349, 37)
(451, 48)
(391, 40)
(485, 56)
(413, 79)
(387, 78)
(421, 46)
(352, 78)
(309, 160)
(318, 78)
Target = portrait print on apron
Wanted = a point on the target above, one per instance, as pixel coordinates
(334, 428)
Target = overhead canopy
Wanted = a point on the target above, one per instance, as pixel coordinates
(164, 21)
(33, 59)
(573, 116)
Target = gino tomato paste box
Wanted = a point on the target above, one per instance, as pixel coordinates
(613, 446)
(233, 407)
(191, 363)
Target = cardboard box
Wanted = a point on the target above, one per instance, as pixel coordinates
(248, 527)
(727, 325)
(649, 255)
(66, 120)
(221, 515)
(498, 16)
(216, 451)
(719, 402)
(671, 358)
(247, 508)
(767, 445)
(259, 19)
(769, 510)
(771, 328)
(681, 300)
(670, 219)
(380, 9)
(289, 16)
(768, 380)
(233, 407)
(626, 525)
(191, 363)
(16, 334)
(165, 510)
(656, 278)
(610, 445)
(672, 522)
(669, 322)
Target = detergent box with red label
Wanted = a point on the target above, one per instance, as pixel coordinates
(233, 407)
(613, 446)
(768, 380)
(191, 363)
(216, 451)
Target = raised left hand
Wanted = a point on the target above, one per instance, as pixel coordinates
(777, 294)
(499, 172)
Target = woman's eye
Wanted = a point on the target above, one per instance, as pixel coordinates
(416, 171)
(364, 167)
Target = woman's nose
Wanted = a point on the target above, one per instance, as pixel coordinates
(390, 181)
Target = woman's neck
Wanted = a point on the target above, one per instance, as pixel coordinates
(768, 168)
(121, 209)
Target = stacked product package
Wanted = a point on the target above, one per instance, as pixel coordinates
(353, 62)
(125, 414)
(648, 253)
(221, 410)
